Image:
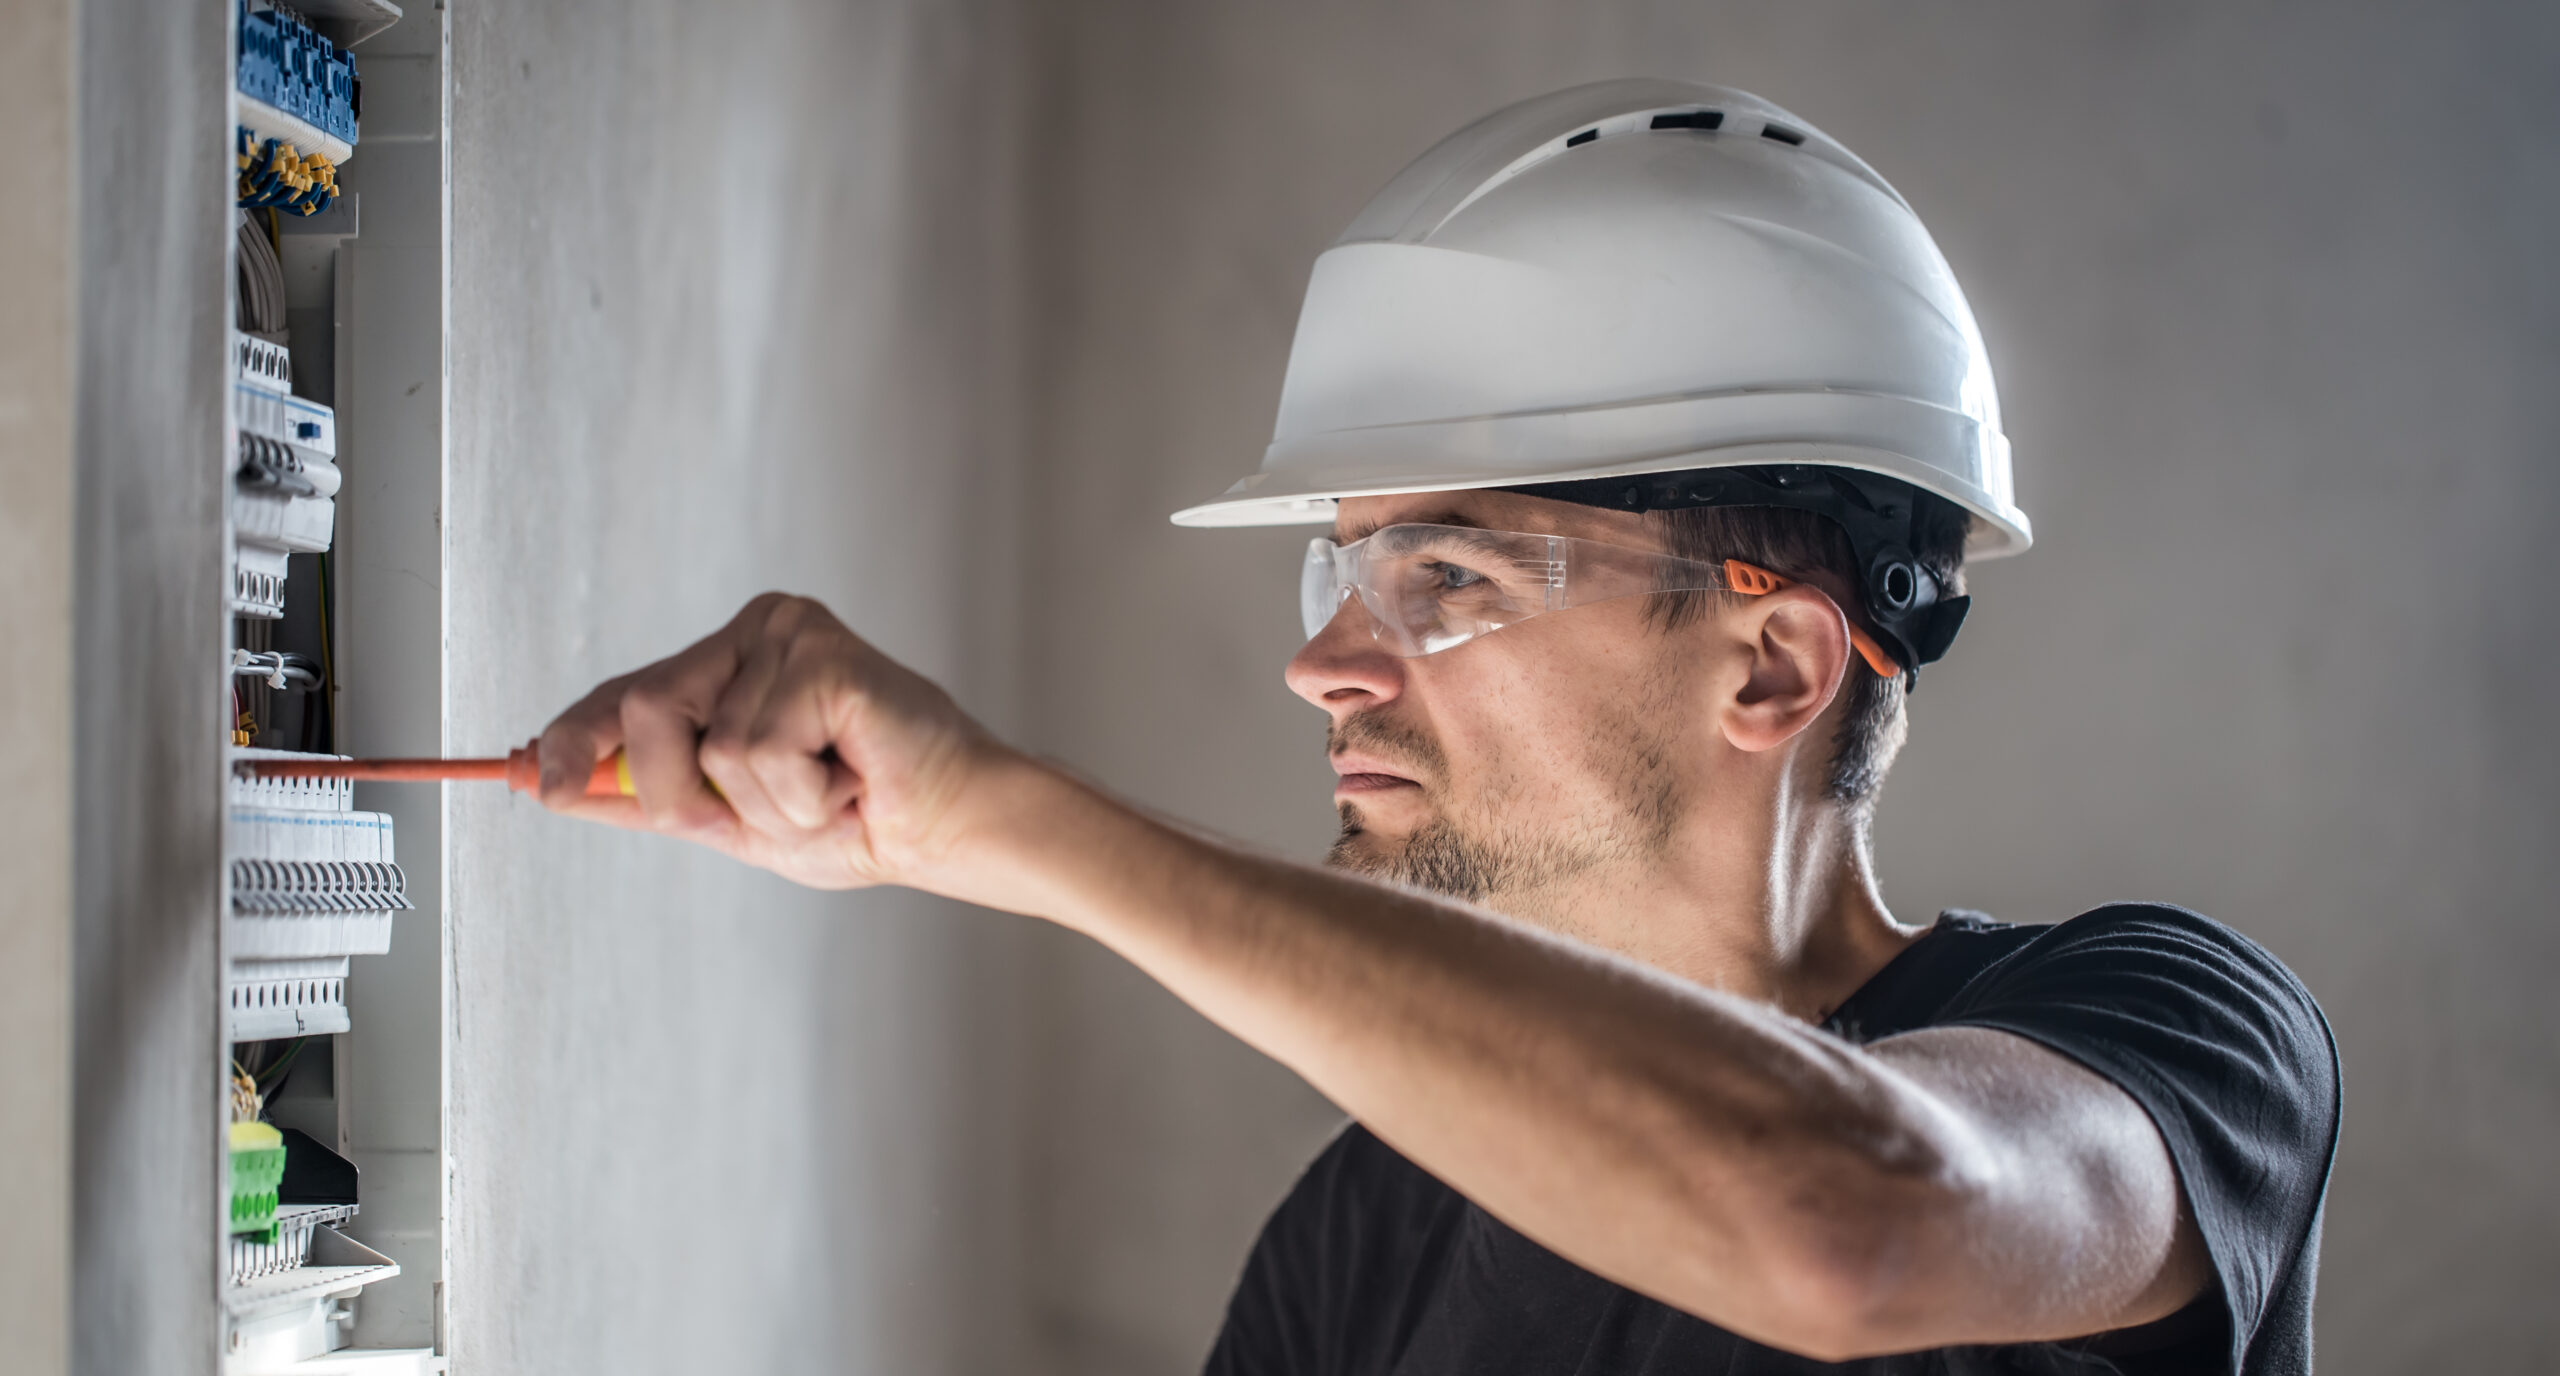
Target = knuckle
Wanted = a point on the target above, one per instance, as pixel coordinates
(802, 616)
(774, 758)
(722, 753)
(773, 613)
(600, 703)
(649, 696)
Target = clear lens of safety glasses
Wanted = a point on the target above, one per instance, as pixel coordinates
(1430, 587)
(1323, 582)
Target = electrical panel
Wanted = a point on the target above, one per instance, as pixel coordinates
(314, 883)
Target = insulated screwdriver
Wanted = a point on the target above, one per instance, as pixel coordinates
(521, 771)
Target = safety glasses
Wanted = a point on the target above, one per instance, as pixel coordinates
(1431, 587)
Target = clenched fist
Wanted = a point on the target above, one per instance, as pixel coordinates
(786, 741)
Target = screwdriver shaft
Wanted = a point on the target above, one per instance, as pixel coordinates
(521, 771)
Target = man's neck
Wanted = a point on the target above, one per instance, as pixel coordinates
(1791, 915)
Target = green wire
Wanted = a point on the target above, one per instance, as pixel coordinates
(273, 1075)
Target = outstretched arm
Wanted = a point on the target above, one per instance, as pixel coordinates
(1958, 1185)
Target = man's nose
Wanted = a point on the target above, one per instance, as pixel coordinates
(1346, 668)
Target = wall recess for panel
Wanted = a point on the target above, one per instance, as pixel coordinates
(314, 884)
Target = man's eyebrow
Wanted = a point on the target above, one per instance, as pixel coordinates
(1362, 530)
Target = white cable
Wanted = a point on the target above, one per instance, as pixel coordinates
(279, 669)
(262, 304)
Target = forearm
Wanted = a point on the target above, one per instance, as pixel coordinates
(1699, 1147)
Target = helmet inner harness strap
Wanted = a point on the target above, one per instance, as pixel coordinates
(1914, 617)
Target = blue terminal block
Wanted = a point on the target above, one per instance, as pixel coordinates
(286, 64)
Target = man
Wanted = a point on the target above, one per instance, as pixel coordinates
(1654, 432)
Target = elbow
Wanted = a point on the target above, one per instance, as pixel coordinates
(1832, 1312)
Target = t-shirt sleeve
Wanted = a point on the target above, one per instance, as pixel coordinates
(2225, 1050)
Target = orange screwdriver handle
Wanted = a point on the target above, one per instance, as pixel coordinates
(611, 779)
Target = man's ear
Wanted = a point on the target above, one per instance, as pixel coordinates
(1798, 643)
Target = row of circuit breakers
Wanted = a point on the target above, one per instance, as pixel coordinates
(296, 84)
(313, 881)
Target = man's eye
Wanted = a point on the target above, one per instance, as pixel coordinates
(1451, 577)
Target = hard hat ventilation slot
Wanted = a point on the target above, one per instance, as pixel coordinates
(1782, 134)
(1690, 119)
(1582, 138)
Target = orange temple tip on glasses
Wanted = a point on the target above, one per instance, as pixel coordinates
(1755, 581)
(521, 771)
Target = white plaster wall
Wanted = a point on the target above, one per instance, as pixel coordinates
(150, 596)
(36, 559)
(2269, 293)
(733, 307)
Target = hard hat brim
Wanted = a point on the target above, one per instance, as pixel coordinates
(1301, 480)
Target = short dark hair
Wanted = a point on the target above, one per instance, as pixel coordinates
(1798, 544)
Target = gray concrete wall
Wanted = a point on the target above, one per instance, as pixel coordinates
(2269, 295)
(36, 524)
(733, 308)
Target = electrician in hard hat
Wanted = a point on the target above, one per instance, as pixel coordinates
(1653, 433)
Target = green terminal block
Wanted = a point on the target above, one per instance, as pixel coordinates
(257, 1168)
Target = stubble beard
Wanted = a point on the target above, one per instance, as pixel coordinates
(1519, 868)
(1436, 857)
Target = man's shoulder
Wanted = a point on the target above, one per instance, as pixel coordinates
(2151, 921)
(2127, 921)
(1968, 954)
(2228, 1053)
(2161, 999)
(2162, 949)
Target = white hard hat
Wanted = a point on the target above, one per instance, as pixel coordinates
(1633, 278)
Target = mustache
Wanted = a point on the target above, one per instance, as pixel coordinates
(1393, 741)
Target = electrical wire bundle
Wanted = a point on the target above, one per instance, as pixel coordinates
(262, 677)
(272, 174)
(262, 303)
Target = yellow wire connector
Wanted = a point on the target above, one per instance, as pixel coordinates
(273, 174)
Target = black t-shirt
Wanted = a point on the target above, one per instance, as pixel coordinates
(1373, 1268)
